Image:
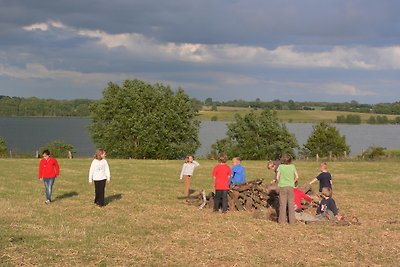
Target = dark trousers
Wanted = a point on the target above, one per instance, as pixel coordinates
(99, 188)
(221, 199)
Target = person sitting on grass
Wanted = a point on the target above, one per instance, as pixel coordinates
(238, 176)
(221, 175)
(327, 207)
(298, 208)
(324, 178)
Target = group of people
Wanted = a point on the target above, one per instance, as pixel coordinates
(285, 177)
(224, 177)
(99, 173)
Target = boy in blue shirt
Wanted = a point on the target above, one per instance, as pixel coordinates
(324, 178)
(238, 173)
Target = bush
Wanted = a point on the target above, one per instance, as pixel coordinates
(374, 152)
(58, 149)
(3, 147)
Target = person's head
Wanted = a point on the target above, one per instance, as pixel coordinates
(286, 159)
(100, 154)
(189, 159)
(271, 165)
(46, 154)
(326, 192)
(223, 158)
(236, 161)
(323, 167)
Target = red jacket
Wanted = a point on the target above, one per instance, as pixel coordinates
(48, 168)
(222, 174)
(298, 196)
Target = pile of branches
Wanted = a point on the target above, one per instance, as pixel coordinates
(250, 196)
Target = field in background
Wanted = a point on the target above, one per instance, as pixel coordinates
(299, 116)
(146, 223)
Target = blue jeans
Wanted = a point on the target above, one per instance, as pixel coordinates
(48, 184)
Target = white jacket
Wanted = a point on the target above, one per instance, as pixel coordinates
(188, 168)
(99, 170)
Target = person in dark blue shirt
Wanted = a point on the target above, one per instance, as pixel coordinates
(324, 178)
(238, 173)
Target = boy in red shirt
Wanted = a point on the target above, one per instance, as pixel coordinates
(221, 175)
(48, 171)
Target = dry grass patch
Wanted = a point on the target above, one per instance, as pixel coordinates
(147, 224)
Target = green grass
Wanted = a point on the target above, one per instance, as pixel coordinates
(147, 224)
(298, 116)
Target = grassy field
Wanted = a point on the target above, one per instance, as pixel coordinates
(300, 116)
(146, 223)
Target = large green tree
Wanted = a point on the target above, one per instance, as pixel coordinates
(143, 120)
(325, 139)
(256, 136)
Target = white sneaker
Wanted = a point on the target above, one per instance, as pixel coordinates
(47, 201)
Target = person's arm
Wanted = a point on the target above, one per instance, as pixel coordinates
(181, 176)
(314, 180)
(277, 177)
(91, 172)
(108, 173)
(333, 207)
(296, 176)
(306, 197)
(56, 168)
(196, 164)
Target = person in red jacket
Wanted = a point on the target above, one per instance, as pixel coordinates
(221, 175)
(48, 171)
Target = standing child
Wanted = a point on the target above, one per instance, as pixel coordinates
(221, 175)
(99, 173)
(48, 171)
(286, 177)
(238, 173)
(187, 172)
(324, 178)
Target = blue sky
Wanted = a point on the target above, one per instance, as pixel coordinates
(229, 49)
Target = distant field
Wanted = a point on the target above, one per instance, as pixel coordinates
(147, 223)
(311, 116)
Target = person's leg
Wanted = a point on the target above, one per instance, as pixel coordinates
(186, 182)
(102, 192)
(292, 218)
(283, 201)
(224, 200)
(96, 192)
(217, 200)
(46, 188)
(48, 184)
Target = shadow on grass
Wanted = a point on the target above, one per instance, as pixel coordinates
(66, 195)
(191, 191)
(109, 199)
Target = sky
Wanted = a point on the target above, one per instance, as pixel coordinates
(309, 50)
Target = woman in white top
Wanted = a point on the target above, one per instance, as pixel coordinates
(187, 172)
(99, 173)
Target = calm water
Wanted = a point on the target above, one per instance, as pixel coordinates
(28, 134)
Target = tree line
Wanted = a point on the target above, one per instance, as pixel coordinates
(33, 106)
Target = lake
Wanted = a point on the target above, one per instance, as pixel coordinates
(28, 134)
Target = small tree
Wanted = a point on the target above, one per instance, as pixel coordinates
(325, 139)
(256, 137)
(3, 147)
(58, 149)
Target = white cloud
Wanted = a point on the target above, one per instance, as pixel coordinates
(342, 57)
